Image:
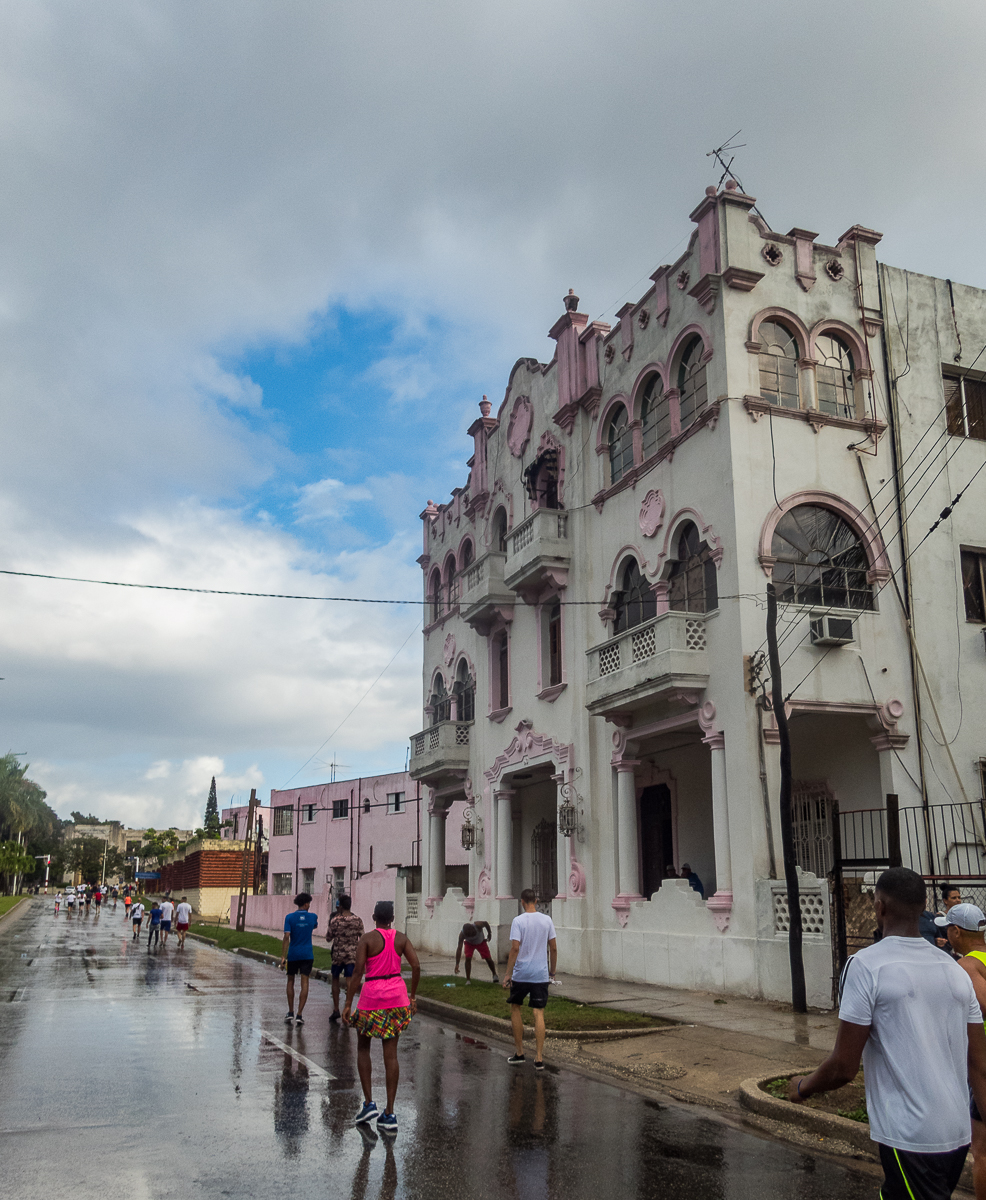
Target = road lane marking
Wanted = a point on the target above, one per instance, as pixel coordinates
(316, 1070)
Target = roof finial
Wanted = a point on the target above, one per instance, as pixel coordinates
(571, 301)
(485, 407)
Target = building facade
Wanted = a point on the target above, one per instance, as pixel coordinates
(595, 647)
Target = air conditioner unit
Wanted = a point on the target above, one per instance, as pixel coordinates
(831, 631)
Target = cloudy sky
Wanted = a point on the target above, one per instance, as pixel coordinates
(258, 264)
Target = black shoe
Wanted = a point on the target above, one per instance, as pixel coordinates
(289, 1018)
(516, 1059)
(335, 1016)
(299, 1019)
(538, 1066)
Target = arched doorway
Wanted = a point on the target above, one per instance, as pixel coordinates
(656, 836)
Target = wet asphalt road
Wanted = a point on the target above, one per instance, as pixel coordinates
(159, 1074)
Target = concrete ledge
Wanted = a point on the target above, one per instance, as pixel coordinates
(199, 938)
(482, 1021)
(829, 1125)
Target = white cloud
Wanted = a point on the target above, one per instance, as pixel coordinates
(328, 500)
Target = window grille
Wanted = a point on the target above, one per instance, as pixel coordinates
(965, 406)
(642, 644)
(812, 913)
(778, 366)
(283, 820)
(462, 735)
(693, 584)
(695, 635)
(655, 416)
(820, 560)
(835, 377)
(282, 882)
(811, 820)
(619, 437)
(544, 862)
(691, 383)
(609, 659)
(635, 602)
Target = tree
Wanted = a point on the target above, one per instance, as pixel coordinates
(14, 861)
(79, 819)
(212, 826)
(158, 845)
(85, 855)
(24, 817)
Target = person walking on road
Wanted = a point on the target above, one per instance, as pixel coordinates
(183, 915)
(910, 1014)
(136, 917)
(384, 1010)
(167, 916)
(58, 902)
(127, 902)
(963, 925)
(532, 939)
(154, 928)
(97, 897)
(475, 937)
(88, 895)
(115, 893)
(344, 932)
(297, 953)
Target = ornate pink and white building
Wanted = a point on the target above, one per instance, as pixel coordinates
(596, 624)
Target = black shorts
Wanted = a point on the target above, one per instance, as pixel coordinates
(302, 966)
(343, 969)
(538, 993)
(912, 1176)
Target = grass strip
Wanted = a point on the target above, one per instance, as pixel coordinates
(8, 902)
(229, 939)
(491, 999)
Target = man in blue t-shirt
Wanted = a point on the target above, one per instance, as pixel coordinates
(297, 953)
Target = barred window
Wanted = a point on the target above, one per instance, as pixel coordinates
(655, 416)
(635, 602)
(836, 393)
(691, 382)
(974, 584)
(619, 436)
(282, 882)
(778, 366)
(693, 584)
(821, 560)
(965, 406)
(283, 820)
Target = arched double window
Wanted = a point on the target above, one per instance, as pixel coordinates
(465, 693)
(692, 578)
(835, 374)
(619, 438)
(778, 365)
(820, 560)
(498, 531)
(655, 416)
(635, 602)
(450, 588)
(435, 594)
(692, 387)
(440, 702)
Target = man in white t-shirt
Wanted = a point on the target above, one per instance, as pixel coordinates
(532, 937)
(167, 916)
(910, 1014)
(136, 916)
(183, 914)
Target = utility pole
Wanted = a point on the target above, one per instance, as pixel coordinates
(799, 999)
(246, 874)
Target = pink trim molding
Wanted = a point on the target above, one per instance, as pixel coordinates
(527, 745)
(721, 907)
(651, 515)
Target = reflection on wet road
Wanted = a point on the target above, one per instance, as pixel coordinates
(170, 1073)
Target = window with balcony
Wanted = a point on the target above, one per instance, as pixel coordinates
(692, 386)
(340, 808)
(692, 579)
(820, 560)
(440, 702)
(552, 624)
(835, 377)
(283, 820)
(501, 670)
(541, 480)
(778, 365)
(974, 584)
(965, 406)
(635, 602)
(498, 539)
(465, 693)
(655, 416)
(466, 556)
(396, 802)
(619, 438)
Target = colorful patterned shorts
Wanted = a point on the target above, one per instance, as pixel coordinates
(381, 1022)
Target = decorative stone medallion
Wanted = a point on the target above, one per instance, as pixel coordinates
(643, 318)
(682, 281)
(772, 254)
(449, 652)
(519, 428)
(610, 353)
(651, 513)
(834, 269)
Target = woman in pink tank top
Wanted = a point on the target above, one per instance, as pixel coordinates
(384, 1010)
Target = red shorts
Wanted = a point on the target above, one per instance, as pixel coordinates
(182, 926)
(483, 950)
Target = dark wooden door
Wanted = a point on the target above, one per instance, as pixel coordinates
(656, 844)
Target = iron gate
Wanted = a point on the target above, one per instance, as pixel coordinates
(544, 863)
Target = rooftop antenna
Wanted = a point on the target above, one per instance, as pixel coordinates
(727, 167)
(333, 766)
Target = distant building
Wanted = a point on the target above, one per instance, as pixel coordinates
(117, 836)
(208, 871)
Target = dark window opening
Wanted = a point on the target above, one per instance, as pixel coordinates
(655, 416)
(541, 480)
(965, 406)
(465, 693)
(778, 365)
(821, 560)
(619, 437)
(441, 702)
(834, 375)
(499, 538)
(450, 590)
(974, 584)
(435, 594)
(692, 579)
(656, 836)
(340, 808)
(635, 602)
(466, 556)
(501, 670)
(554, 644)
(691, 383)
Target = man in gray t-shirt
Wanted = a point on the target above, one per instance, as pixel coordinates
(532, 939)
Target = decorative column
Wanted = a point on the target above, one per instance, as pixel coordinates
(721, 904)
(436, 872)
(563, 845)
(504, 844)
(628, 841)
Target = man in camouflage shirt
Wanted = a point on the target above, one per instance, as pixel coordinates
(344, 932)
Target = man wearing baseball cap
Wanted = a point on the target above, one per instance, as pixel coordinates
(964, 926)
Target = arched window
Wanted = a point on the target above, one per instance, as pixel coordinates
(821, 560)
(778, 365)
(541, 478)
(635, 602)
(619, 436)
(655, 416)
(500, 671)
(552, 631)
(441, 702)
(465, 693)
(450, 588)
(498, 539)
(435, 594)
(692, 579)
(835, 374)
(691, 382)
(465, 556)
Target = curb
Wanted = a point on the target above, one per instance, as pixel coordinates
(829, 1125)
(482, 1021)
(199, 938)
(15, 908)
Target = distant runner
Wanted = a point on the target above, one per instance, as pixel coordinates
(183, 914)
(345, 931)
(475, 938)
(384, 1010)
(127, 902)
(298, 954)
(58, 902)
